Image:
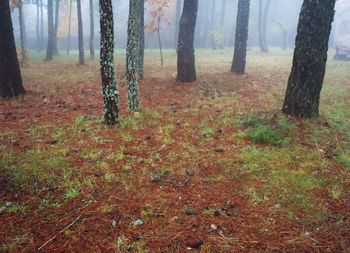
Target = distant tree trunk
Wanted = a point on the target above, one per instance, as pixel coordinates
(186, 68)
(177, 21)
(160, 41)
(222, 22)
(260, 29)
(264, 25)
(131, 58)
(55, 46)
(10, 74)
(69, 26)
(41, 25)
(310, 56)
(80, 33)
(239, 57)
(92, 30)
(109, 83)
(284, 36)
(50, 29)
(212, 24)
(141, 36)
(38, 25)
(22, 33)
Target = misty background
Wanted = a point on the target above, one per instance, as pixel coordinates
(216, 24)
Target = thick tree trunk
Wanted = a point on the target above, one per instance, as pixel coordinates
(239, 57)
(131, 58)
(22, 33)
(310, 56)
(38, 25)
(80, 33)
(109, 83)
(10, 74)
(177, 21)
(50, 29)
(57, 11)
(141, 36)
(186, 68)
(92, 30)
(69, 26)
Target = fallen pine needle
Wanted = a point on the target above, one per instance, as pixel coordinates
(54, 237)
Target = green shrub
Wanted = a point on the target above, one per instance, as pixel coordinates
(265, 135)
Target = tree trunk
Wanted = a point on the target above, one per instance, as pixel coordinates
(212, 25)
(22, 33)
(141, 36)
(69, 26)
(160, 42)
(41, 25)
(109, 83)
(242, 24)
(38, 25)
(186, 68)
(310, 56)
(92, 30)
(222, 23)
(80, 33)
(50, 29)
(10, 74)
(264, 25)
(260, 29)
(57, 11)
(177, 21)
(131, 58)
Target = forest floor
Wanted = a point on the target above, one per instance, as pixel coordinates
(212, 166)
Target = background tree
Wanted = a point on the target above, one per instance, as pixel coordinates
(80, 33)
(57, 13)
(50, 29)
(177, 20)
(92, 30)
(141, 39)
(131, 58)
(242, 25)
(22, 32)
(41, 25)
(262, 24)
(109, 83)
(212, 24)
(69, 25)
(186, 68)
(10, 74)
(158, 11)
(38, 25)
(310, 56)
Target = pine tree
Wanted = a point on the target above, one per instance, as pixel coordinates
(50, 29)
(80, 33)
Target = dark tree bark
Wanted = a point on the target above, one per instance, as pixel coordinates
(69, 25)
(50, 29)
(109, 83)
(177, 20)
(186, 68)
(131, 58)
(10, 74)
(242, 24)
(310, 56)
(92, 30)
(22, 33)
(80, 33)
(55, 46)
(141, 40)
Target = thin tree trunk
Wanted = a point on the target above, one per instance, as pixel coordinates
(242, 25)
(260, 29)
(141, 41)
(55, 46)
(22, 33)
(69, 26)
(10, 74)
(264, 25)
(131, 58)
(109, 83)
(80, 33)
(212, 24)
(38, 25)
(41, 25)
(186, 68)
(92, 30)
(177, 21)
(49, 51)
(160, 42)
(222, 23)
(310, 56)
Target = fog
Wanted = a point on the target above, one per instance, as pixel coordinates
(213, 24)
